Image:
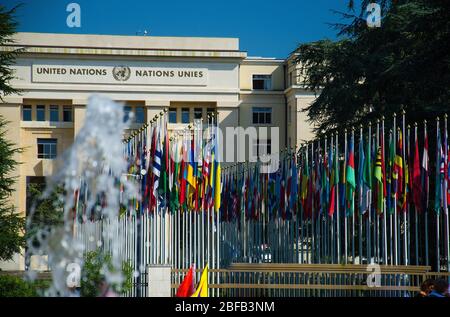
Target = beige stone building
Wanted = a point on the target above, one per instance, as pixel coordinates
(188, 76)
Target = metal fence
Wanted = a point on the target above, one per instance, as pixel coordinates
(158, 238)
(297, 280)
(256, 279)
(313, 280)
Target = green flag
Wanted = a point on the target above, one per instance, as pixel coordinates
(174, 203)
(351, 179)
(163, 187)
(378, 174)
(390, 178)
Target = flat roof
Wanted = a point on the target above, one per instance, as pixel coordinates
(263, 60)
(125, 42)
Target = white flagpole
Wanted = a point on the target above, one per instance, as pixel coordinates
(405, 224)
(385, 257)
(338, 234)
(425, 165)
(438, 163)
(446, 220)
(395, 216)
(345, 200)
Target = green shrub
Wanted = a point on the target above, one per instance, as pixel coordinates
(41, 285)
(15, 286)
(92, 274)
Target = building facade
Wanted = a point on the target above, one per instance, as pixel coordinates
(190, 77)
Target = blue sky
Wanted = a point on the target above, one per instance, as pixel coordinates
(266, 28)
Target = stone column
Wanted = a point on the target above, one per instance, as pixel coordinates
(78, 115)
(228, 116)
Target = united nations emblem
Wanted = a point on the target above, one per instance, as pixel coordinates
(121, 73)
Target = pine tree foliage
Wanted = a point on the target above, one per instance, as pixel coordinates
(370, 72)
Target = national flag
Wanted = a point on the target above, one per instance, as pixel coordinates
(417, 186)
(317, 184)
(224, 214)
(399, 174)
(310, 196)
(172, 147)
(288, 190)
(163, 188)
(282, 193)
(206, 161)
(206, 172)
(334, 182)
(326, 180)
(439, 174)
(383, 168)
(425, 173)
(202, 288)
(157, 165)
(212, 170)
(445, 180)
(391, 177)
(217, 172)
(304, 180)
(183, 174)
(246, 191)
(235, 198)
(190, 164)
(378, 174)
(361, 163)
(150, 175)
(174, 203)
(187, 288)
(350, 178)
(294, 186)
(143, 169)
(272, 194)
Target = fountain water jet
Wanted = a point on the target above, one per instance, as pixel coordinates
(96, 159)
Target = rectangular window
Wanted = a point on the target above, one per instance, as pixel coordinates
(46, 148)
(126, 113)
(140, 116)
(54, 113)
(262, 82)
(40, 113)
(26, 113)
(185, 115)
(172, 115)
(67, 114)
(198, 112)
(262, 115)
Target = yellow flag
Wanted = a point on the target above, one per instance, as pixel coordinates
(217, 189)
(211, 171)
(190, 175)
(202, 289)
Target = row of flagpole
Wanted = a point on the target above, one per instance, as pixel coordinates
(344, 198)
(390, 189)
